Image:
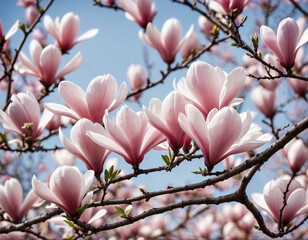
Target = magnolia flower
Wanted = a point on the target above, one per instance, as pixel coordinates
(26, 3)
(63, 157)
(223, 133)
(101, 95)
(299, 86)
(23, 116)
(164, 117)
(205, 25)
(11, 31)
(229, 5)
(265, 100)
(167, 43)
(11, 200)
(286, 43)
(271, 201)
(46, 63)
(191, 46)
(31, 14)
(137, 77)
(140, 11)
(208, 87)
(65, 31)
(67, 188)
(297, 154)
(92, 154)
(129, 135)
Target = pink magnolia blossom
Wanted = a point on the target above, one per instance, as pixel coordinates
(110, 2)
(46, 63)
(91, 153)
(223, 133)
(63, 157)
(66, 29)
(137, 77)
(164, 117)
(23, 116)
(299, 86)
(205, 25)
(11, 200)
(31, 14)
(139, 11)
(229, 5)
(167, 42)
(297, 154)
(271, 201)
(11, 31)
(208, 87)
(205, 226)
(101, 95)
(269, 84)
(265, 100)
(286, 43)
(40, 36)
(26, 3)
(129, 135)
(191, 46)
(67, 188)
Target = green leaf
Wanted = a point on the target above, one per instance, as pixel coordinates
(106, 175)
(195, 172)
(256, 227)
(166, 159)
(110, 170)
(70, 223)
(120, 210)
(170, 155)
(82, 209)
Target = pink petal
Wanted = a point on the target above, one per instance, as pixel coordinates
(70, 66)
(43, 191)
(87, 35)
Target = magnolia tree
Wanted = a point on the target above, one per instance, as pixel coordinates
(203, 119)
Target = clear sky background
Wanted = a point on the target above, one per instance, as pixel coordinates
(116, 46)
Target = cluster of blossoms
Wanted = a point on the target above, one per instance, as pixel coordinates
(202, 112)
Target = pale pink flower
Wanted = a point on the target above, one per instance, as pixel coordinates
(101, 95)
(271, 201)
(265, 100)
(110, 2)
(67, 188)
(82, 146)
(167, 42)
(31, 14)
(137, 77)
(229, 5)
(26, 3)
(66, 29)
(40, 36)
(129, 135)
(46, 63)
(11, 200)
(23, 116)
(223, 133)
(269, 84)
(164, 117)
(63, 157)
(297, 154)
(205, 25)
(205, 226)
(299, 86)
(208, 87)
(286, 43)
(191, 46)
(231, 231)
(11, 31)
(139, 11)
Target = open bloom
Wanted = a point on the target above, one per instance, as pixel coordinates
(286, 43)
(23, 116)
(46, 63)
(140, 11)
(101, 95)
(92, 154)
(129, 135)
(137, 77)
(208, 87)
(67, 188)
(11, 200)
(265, 100)
(164, 117)
(271, 201)
(65, 31)
(223, 133)
(229, 5)
(167, 43)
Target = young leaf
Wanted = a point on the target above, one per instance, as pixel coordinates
(120, 210)
(70, 223)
